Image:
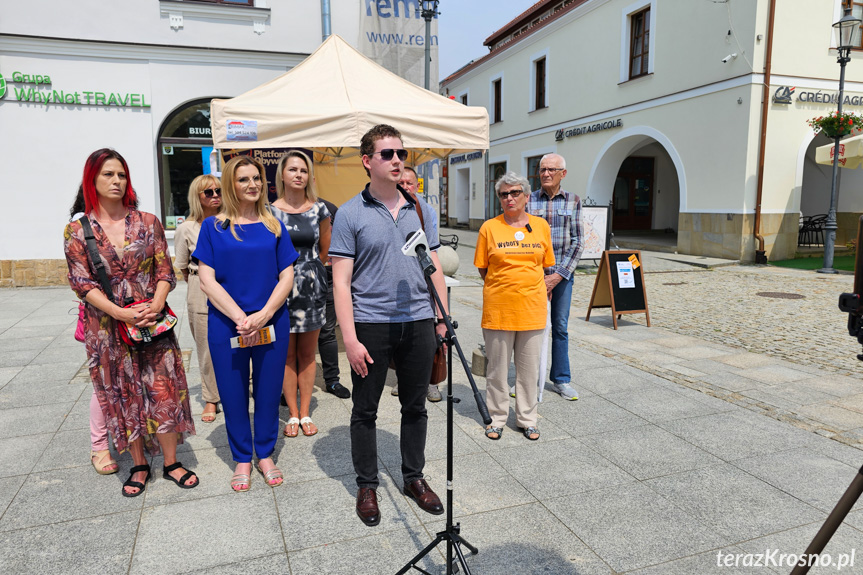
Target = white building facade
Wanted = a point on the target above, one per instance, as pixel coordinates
(656, 105)
(136, 76)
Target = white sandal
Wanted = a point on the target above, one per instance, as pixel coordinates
(292, 421)
(304, 421)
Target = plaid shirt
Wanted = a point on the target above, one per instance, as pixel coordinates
(563, 214)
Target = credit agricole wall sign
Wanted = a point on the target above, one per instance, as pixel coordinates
(38, 89)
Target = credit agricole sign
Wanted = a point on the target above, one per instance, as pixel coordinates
(38, 89)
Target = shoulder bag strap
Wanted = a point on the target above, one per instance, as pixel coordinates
(95, 258)
(409, 197)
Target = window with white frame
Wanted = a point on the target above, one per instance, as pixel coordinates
(857, 12)
(637, 40)
(463, 98)
(539, 81)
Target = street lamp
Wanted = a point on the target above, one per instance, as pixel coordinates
(847, 30)
(428, 10)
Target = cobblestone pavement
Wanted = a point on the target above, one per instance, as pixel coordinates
(722, 305)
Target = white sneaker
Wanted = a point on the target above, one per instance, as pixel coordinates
(565, 390)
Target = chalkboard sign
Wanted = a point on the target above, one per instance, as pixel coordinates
(620, 285)
(594, 224)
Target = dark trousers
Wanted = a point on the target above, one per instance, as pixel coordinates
(411, 346)
(328, 346)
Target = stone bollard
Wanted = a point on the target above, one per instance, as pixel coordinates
(448, 260)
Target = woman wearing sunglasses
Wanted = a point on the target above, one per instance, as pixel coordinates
(511, 252)
(308, 222)
(205, 200)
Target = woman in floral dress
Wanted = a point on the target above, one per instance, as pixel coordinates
(308, 223)
(142, 393)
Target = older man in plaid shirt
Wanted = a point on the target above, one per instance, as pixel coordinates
(562, 210)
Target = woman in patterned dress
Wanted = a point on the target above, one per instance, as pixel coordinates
(308, 223)
(141, 392)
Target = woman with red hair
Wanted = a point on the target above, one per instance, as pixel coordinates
(141, 392)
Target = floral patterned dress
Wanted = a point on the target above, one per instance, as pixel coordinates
(141, 392)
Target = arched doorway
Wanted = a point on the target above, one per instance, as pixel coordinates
(815, 180)
(640, 174)
(183, 152)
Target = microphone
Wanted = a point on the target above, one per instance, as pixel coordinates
(417, 247)
(224, 225)
(528, 229)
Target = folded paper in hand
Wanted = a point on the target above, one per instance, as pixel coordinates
(267, 335)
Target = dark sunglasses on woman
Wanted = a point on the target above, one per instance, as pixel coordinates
(387, 154)
(210, 192)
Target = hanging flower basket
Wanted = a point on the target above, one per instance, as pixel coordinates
(833, 124)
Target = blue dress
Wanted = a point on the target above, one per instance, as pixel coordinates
(249, 271)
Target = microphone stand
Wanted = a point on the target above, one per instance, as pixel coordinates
(451, 534)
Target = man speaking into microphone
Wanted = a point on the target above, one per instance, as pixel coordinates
(385, 312)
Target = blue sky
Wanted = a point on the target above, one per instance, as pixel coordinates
(464, 24)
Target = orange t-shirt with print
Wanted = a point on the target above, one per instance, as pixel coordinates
(514, 296)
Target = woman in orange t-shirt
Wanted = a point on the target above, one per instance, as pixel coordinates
(511, 252)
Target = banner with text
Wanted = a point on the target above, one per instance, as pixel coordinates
(392, 33)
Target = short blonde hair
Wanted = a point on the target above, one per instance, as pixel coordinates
(198, 185)
(311, 190)
(231, 204)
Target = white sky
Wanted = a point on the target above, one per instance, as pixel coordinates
(464, 24)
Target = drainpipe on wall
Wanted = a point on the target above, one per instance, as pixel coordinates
(325, 19)
(760, 255)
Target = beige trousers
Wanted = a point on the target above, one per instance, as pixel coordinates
(524, 348)
(198, 325)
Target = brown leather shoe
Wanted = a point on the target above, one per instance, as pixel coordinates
(367, 506)
(419, 491)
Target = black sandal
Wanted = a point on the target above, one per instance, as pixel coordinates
(528, 431)
(140, 486)
(181, 483)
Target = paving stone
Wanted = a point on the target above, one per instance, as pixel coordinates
(805, 474)
(66, 495)
(567, 467)
(11, 396)
(795, 542)
(20, 421)
(734, 502)
(323, 511)
(834, 416)
(660, 405)
(18, 455)
(544, 545)
(277, 564)
(20, 357)
(737, 434)
(253, 531)
(631, 526)
(605, 380)
(7, 373)
(648, 451)
(370, 550)
(47, 374)
(27, 343)
(95, 545)
(9, 487)
(703, 564)
(589, 416)
(774, 374)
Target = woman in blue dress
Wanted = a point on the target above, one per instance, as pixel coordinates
(308, 222)
(246, 269)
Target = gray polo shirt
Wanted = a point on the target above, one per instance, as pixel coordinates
(386, 286)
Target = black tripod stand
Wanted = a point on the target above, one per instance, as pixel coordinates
(451, 533)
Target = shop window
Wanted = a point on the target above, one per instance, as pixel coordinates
(184, 147)
(497, 100)
(639, 45)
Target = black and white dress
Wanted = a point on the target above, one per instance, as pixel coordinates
(308, 300)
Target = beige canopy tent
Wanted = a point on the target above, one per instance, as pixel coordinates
(329, 101)
(850, 153)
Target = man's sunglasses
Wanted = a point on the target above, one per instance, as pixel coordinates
(387, 154)
(212, 192)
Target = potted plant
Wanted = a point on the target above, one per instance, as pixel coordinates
(834, 124)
